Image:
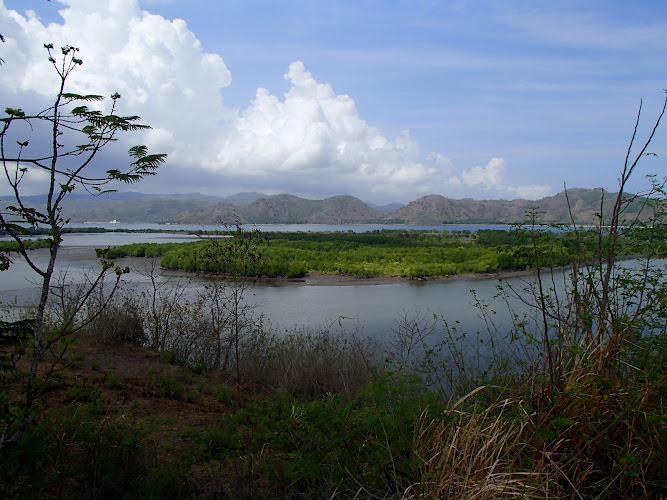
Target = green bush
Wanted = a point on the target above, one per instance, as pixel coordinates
(327, 445)
(169, 387)
(78, 453)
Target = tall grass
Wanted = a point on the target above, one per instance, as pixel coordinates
(482, 454)
(586, 418)
(570, 405)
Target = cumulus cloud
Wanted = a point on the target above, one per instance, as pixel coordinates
(491, 179)
(440, 160)
(318, 137)
(310, 141)
(157, 65)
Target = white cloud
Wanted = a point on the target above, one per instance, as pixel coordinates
(440, 160)
(491, 179)
(317, 136)
(32, 181)
(157, 65)
(310, 141)
(532, 191)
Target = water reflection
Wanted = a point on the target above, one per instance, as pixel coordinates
(368, 309)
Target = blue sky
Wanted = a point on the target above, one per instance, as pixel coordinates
(384, 100)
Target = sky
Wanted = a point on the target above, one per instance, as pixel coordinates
(385, 100)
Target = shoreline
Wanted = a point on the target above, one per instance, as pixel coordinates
(83, 257)
(321, 279)
(324, 279)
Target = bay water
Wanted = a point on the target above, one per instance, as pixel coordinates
(369, 309)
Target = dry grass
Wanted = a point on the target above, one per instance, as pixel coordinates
(309, 363)
(602, 435)
(480, 454)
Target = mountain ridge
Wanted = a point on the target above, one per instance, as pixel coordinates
(258, 208)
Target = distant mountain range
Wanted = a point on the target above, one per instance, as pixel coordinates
(257, 208)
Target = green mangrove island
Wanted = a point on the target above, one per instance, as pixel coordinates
(408, 253)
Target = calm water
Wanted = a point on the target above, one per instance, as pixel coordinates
(370, 309)
(358, 228)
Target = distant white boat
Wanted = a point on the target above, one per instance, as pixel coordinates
(113, 221)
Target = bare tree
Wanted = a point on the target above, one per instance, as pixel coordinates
(602, 302)
(230, 264)
(161, 304)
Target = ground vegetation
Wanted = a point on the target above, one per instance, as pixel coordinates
(404, 253)
(60, 143)
(572, 404)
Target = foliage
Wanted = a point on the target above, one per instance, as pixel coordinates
(388, 437)
(231, 315)
(13, 246)
(309, 363)
(326, 446)
(480, 453)
(406, 253)
(75, 134)
(14, 336)
(585, 418)
(84, 453)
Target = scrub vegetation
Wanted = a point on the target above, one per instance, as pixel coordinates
(198, 398)
(404, 253)
(162, 394)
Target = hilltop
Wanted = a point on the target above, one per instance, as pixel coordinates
(258, 208)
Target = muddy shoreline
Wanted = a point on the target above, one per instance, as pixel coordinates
(319, 279)
(84, 257)
(322, 279)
